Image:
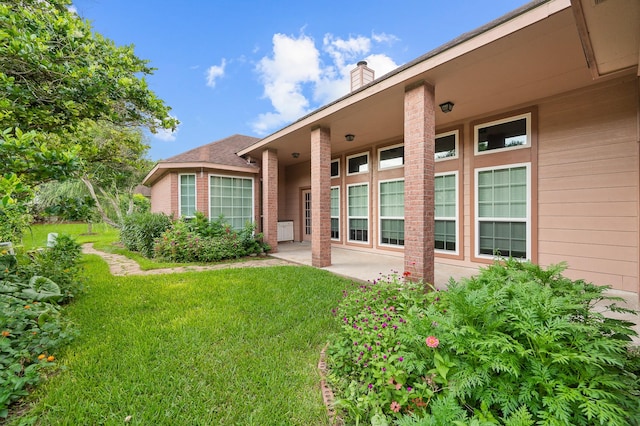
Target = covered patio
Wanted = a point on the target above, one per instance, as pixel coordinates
(366, 266)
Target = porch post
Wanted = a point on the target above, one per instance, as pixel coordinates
(270, 198)
(320, 197)
(419, 146)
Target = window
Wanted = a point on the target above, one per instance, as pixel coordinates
(232, 198)
(358, 208)
(335, 213)
(335, 168)
(391, 157)
(502, 206)
(358, 164)
(187, 195)
(510, 133)
(446, 212)
(446, 146)
(392, 212)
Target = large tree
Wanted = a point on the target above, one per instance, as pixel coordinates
(59, 78)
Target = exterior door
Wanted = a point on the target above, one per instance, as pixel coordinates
(306, 215)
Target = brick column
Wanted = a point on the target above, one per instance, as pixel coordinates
(270, 198)
(419, 146)
(320, 197)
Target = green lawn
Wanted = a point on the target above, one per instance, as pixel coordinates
(236, 346)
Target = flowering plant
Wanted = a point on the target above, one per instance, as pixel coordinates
(516, 345)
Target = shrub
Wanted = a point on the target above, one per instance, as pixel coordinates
(139, 231)
(517, 344)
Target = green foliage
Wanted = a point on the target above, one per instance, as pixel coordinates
(73, 209)
(31, 323)
(140, 230)
(516, 345)
(198, 240)
(14, 220)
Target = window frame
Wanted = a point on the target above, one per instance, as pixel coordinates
(253, 207)
(528, 120)
(527, 220)
(455, 252)
(388, 148)
(335, 160)
(336, 187)
(380, 217)
(456, 133)
(361, 154)
(349, 217)
(195, 195)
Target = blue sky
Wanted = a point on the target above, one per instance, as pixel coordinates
(252, 67)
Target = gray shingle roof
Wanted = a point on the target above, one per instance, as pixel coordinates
(222, 151)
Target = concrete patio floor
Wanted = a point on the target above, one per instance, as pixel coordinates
(365, 266)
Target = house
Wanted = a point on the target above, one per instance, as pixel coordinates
(519, 138)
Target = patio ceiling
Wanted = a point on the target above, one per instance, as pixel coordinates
(539, 50)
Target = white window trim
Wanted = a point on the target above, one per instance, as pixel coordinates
(457, 216)
(526, 116)
(337, 160)
(358, 155)
(380, 217)
(457, 144)
(195, 184)
(527, 219)
(386, 148)
(359, 217)
(337, 217)
(253, 194)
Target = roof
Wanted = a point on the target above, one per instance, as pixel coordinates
(220, 154)
(222, 151)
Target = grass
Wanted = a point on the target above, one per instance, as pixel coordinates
(236, 346)
(101, 233)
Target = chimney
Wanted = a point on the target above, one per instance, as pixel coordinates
(361, 76)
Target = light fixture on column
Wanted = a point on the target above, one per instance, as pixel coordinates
(295, 154)
(446, 107)
(349, 137)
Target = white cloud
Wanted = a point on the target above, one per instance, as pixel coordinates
(71, 8)
(298, 72)
(166, 135)
(384, 38)
(215, 72)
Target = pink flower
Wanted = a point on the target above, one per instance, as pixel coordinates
(395, 407)
(432, 341)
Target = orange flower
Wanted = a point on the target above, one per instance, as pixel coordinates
(5, 333)
(51, 358)
(27, 306)
(41, 357)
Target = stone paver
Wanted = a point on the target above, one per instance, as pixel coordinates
(121, 265)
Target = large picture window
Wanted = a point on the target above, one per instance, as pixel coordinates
(187, 195)
(358, 209)
(392, 212)
(232, 198)
(335, 213)
(508, 133)
(446, 212)
(502, 206)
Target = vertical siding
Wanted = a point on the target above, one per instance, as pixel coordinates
(588, 184)
(161, 195)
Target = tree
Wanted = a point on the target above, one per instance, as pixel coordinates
(58, 80)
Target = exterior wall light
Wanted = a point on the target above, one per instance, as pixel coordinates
(295, 154)
(446, 107)
(349, 137)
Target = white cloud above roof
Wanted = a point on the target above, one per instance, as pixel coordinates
(298, 77)
(215, 72)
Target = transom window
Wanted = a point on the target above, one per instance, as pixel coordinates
(231, 198)
(335, 168)
(187, 195)
(391, 157)
(392, 212)
(502, 206)
(335, 212)
(446, 212)
(509, 133)
(446, 146)
(358, 163)
(358, 210)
